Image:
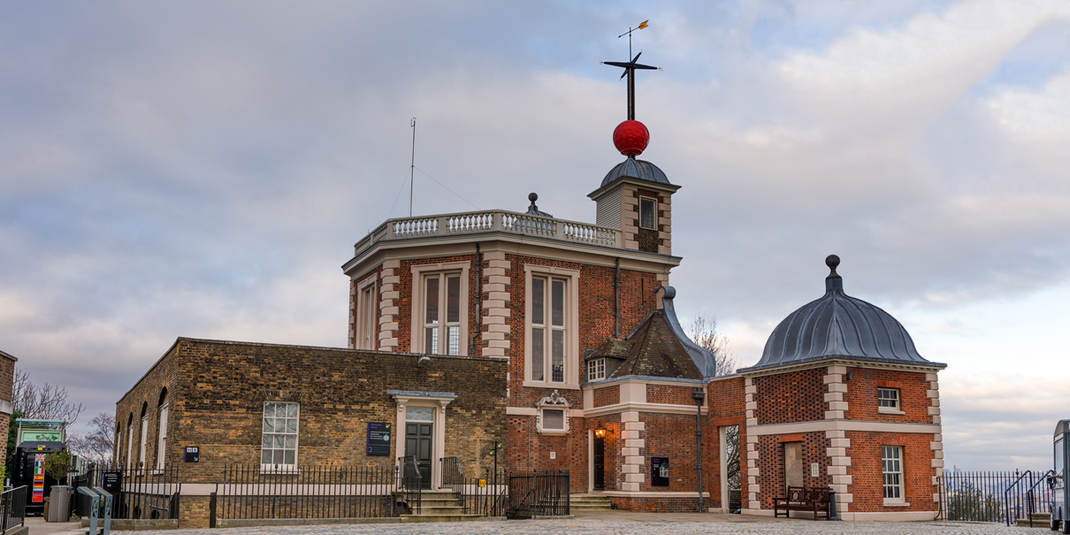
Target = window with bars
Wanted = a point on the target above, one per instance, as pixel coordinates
(648, 211)
(279, 440)
(442, 313)
(888, 398)
(548, 331)
(892, 470)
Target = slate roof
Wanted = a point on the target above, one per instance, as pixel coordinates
(839, 326)
(658, 347)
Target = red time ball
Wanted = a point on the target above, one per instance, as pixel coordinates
(631, 137)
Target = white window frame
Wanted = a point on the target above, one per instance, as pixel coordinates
(897, 409)
(161, 443)
(654, 213)
(367, 314)
(596, 369)
(892, 476)
(419, 273)
(283, 466)
(553, 402)
(129, 444)
(572, 327)
(144, 439)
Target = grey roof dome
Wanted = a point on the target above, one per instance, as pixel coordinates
(839, 326)
(632, 168)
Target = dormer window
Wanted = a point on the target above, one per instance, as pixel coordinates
(888, 400)
(648, 212)
(596, 370)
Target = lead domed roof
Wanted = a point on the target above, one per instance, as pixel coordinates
(632, 168)
(839, 326)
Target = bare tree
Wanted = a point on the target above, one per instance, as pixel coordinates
(46, 402)
(704, 333)
(97, 445)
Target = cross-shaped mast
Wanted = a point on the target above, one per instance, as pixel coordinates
(629, 71)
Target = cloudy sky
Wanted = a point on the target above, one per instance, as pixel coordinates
(203, 169)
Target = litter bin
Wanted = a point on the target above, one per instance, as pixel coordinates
(59, 504)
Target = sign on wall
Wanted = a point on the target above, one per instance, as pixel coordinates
(378, 438)
(192, 454)
(659, 471)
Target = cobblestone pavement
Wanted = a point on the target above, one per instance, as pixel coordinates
(640, 524)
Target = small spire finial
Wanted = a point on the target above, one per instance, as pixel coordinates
(833, 281)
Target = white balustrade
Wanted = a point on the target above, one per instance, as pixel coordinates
(489, 221)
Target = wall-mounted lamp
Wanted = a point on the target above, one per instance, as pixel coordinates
(600, 432)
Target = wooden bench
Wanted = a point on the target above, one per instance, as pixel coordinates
(803, 499)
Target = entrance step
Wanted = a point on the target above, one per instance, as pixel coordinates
(1040, 520)
(440, 506)
(589, 503)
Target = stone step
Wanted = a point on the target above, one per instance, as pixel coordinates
(581, 503)
(439, 518)
(1040, 520)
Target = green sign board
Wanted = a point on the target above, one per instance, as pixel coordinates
(41, 435)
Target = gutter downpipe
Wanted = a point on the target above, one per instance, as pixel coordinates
(616, 300)
(479, 304)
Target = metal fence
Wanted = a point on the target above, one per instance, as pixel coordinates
(251, 492)
(12, 508)
(1006, 497)
(534, 495)
(143, 493)
(487, 495)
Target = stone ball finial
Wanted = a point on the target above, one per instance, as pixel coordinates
(832, 261)
(533, 196)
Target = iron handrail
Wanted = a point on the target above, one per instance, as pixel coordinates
(1029, 493)
(1006, 493)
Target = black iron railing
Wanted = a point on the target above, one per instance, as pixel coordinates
(538, 494)
(485, 495)
(13, 508)
(410, 486)
(257, 492)
(994, 496)
(142, 493)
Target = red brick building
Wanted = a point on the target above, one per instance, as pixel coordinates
(594, 373)
(842, 399)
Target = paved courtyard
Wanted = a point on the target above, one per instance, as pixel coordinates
(631, 523)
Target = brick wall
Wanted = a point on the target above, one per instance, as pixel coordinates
(217, 392)
(609, 395)
(791, 397)
(866, 475)
(771, 463)
(677, 395)
(862, 395)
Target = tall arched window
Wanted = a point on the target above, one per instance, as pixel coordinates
(144, 433)
(161, 432)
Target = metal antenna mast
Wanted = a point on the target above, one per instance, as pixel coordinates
(642, 25)
(412, 163)
(630, 67)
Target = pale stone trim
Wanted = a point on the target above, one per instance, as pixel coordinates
(937, 444)
(844, 364)
(529, 411)
(495, 308)
(841, 425)
(438, 403)
(634, 477)
(645, 381)
(653, 408)
(753, 487)
(625, 494)
(388, 296)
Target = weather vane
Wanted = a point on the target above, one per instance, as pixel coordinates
(630, 67)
